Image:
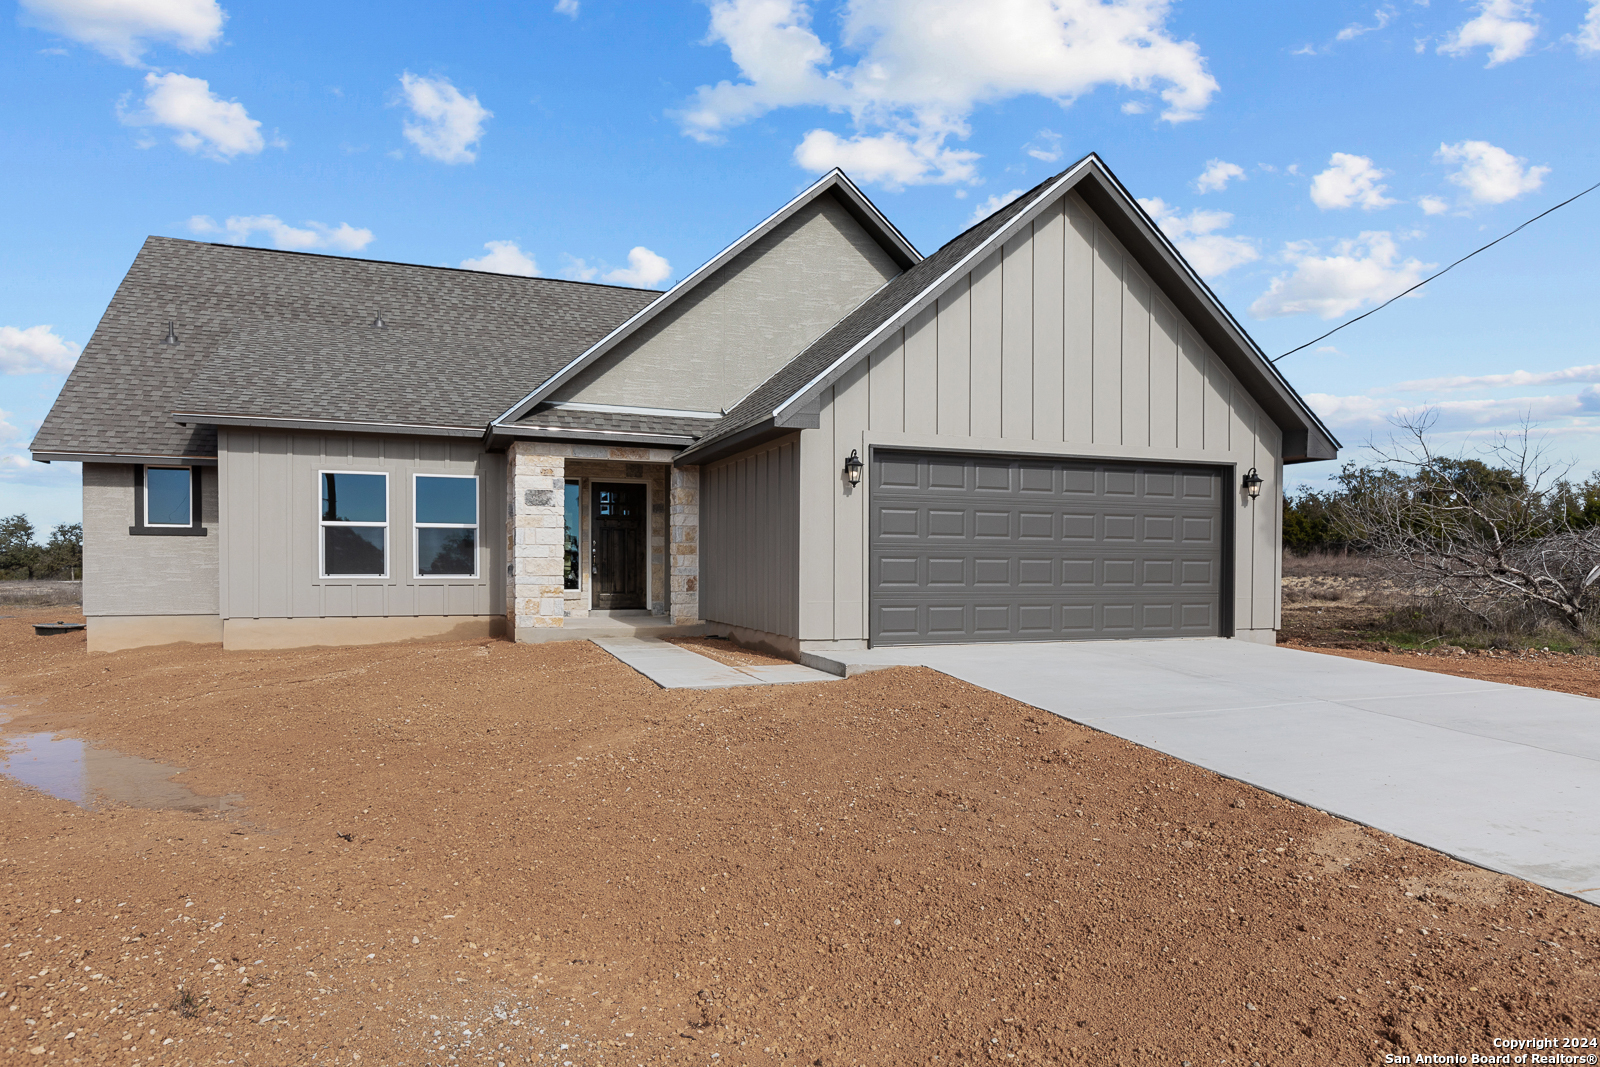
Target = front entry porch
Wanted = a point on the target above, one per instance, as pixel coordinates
(599, 530)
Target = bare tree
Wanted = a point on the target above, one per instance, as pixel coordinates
(1494, 538)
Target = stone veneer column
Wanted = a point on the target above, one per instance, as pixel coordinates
(684, 544)
(535, 528)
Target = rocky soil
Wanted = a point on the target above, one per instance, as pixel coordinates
(500, 854)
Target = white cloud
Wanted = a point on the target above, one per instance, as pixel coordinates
(922, 66)
(240, 229)
(1217, 175)
(1490, 175)
(1208, 252)
(125, 29)
(1505, 27)
(1588, 36)
(1046, 146)
(887, 159)
(1587, 373)
(1380, 18)
(448, 124)
(35, 350)
(204, 122)
(1135, 107)
(568, 8)
(1365, 270)
(1368, 412)
(1349, 180)
(504, 257)
(644, 268)
(991, 205)
(1432, 205)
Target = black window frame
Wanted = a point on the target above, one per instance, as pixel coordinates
(141, 529)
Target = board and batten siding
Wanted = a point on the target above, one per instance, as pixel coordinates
(131, 575)
(750, 539)
(1055, 344)
(737, 327)
(270, 566)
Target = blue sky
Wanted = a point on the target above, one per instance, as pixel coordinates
(1311, 159)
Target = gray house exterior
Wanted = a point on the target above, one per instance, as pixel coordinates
(1052, 416)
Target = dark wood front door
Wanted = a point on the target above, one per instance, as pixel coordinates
(617, 554)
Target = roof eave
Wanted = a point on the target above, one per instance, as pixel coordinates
(274, 422)
(835, 181)
(738, 441)
(575, 434)
(56, 456)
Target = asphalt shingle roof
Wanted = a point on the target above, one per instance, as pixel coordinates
(364, 374)
(872, 313)
(119, 398)
(617, 422)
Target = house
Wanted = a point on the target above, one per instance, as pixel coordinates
(1047, 429)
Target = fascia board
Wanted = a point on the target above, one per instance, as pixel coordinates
(834, 370)
(330, 425)
(834, 179)
(120, 457)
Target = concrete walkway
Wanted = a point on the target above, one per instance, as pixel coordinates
(672, 667)
(1501, 776)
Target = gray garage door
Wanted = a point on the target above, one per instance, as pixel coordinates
(990, 548)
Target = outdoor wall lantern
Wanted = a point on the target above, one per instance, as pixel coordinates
(1252, 484)
(852, 468)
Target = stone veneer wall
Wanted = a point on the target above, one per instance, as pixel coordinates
(685, 526)
(535, 520)
(536, 473)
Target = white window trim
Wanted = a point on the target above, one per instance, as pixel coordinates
(322, 538)
(476, 527)
(148, 467)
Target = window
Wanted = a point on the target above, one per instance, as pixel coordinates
(569, 569)
(355, 525)
(446, 525)
(168, 496)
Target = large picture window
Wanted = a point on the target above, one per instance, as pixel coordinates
(569, 567)
(446, 525)
(355, 524)
(168, 496)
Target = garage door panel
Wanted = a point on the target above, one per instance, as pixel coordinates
(977, 548)
(897, 522)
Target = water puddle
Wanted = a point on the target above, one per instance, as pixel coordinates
(94, 777)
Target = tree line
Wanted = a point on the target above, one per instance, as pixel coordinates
(1511, 539)
(22, 557)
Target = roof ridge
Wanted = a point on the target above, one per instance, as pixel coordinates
(397, 263)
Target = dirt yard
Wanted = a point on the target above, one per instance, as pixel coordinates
(499, 854)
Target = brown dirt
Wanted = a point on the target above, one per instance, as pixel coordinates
(546, 850)
(729, 652)
(1560, 671)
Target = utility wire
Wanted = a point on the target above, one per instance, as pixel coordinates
(1431, 277)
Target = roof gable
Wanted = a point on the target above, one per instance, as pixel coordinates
(834, 190)
(788, 399)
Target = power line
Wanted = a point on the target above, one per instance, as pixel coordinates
(1431, 277)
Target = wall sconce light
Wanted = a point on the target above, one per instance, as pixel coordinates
(1252, 484)
(852, 468)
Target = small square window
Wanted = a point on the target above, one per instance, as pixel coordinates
(446, 525)
(168, 496)
(355, 524)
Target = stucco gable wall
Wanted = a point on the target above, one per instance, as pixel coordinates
(740, 325)
(1056, 344)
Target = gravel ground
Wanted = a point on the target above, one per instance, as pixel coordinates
(491, 853)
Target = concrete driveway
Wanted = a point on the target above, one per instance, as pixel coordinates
(1501, 776)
